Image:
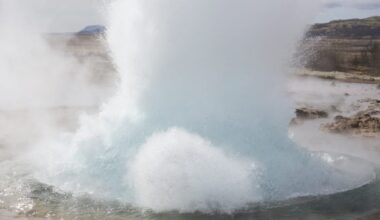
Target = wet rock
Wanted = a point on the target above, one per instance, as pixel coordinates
(303, 114)
(309, 113)
(363, 123)
(295, 121)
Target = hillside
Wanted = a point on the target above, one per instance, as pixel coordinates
(351, 46)
(353, 28)
(93, 29)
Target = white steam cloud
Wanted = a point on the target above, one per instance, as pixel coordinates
(200, 107)
(38, 81)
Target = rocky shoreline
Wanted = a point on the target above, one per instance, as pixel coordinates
(340, 76)
(365, 123)
(362, 114)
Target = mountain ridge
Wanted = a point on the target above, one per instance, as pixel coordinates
(350, 28)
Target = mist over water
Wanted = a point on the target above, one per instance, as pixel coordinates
(33, 73)
(199, 122)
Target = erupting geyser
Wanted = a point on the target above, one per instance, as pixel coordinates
(200, 119)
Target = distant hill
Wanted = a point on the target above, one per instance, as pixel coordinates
(345, 45)
(352, 28)
(93, 29)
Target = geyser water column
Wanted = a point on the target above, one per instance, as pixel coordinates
(215, 69)
(200, 119)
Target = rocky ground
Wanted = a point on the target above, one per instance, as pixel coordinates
(336, 116)
(366, 123)
(340, 76)
(339, 61)
(352, 112)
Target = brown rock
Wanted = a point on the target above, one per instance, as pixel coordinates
(308, 113)
(364, 122)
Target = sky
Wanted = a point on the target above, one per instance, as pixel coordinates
(345, 9)
(60, 15)
(73, 15)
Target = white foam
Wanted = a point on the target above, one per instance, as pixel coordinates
(177, 170)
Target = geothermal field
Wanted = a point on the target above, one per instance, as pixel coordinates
(190, 110)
